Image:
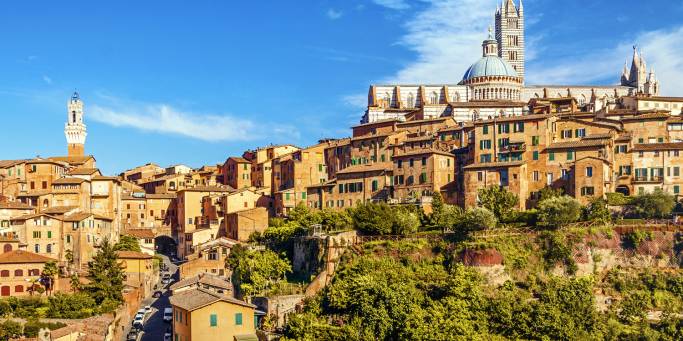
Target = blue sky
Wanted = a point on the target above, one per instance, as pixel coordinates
(195, 82)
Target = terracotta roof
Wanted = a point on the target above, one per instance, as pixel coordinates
(84, 171)
(35, 193)
(657, 146)
(21, 256)
(421, 138)
(16, 205)
(238, 159)
(660, 98)
(140, 233)
(512, 119)
(577, 144)
(421, 152)
(132, 255)
(68, 181)
(80, 216)
(161, 196)
(378, 122)
(495, 165)
(207, 189)
(74, 160)
(102, 217)
(34, 215)
(598, 136)
(648, 116)
(207, 279)
(102, 178)
(10, 163)
(197, 298)
(372, 136)
(59, 209)
(370, 167)
(623, 138)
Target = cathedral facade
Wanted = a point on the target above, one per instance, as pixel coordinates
(494, 85)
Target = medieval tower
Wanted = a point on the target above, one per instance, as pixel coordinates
(510, 34)
(74, 130)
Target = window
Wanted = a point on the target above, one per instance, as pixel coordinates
(567, 134)
(677, 171)
(535, 155)
(48, 248)
(375, 185)
(581, 132)
(424, 161)
(49, 234)
(660, 140)
(640, 140)
(534, 176)
(677, 189)
(564, 174)
(587, 191)
(485, 130)
(519, 127)
(213, 320)
(503, 128)
(37, 248)
(484, 158)
(570, 155)
(485, 144)
(303, 195)
(238, 319)
(589, 172)
(620, 149)
(189, 221)
(551, 156)
(534, 140)
(423, 178)
(411, 162)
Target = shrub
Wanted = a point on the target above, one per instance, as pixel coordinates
(618, 199)
(71, 306)
(597, 211)
(558, 211)
(477, 219)
(450, 217)
(405, 222)
(371, 218)
(657, 204)
(498, 200)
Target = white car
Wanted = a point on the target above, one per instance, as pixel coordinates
(147, 309)
(167, 336)
(139, 320)
(141, 311)
(168, 314)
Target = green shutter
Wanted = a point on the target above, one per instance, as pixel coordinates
(238, 319)
(49, 234)
(535, 155)
(214, 320)
(485, 130)
(303, 195)
(551, 156)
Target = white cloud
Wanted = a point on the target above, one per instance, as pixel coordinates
(334, 14)
(446, 37)
(356, 101)
(47, 80)
(162, 118)
(393, 4)
(662, 49)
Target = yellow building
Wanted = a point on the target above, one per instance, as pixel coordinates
(139, 270)
(204, 315)
(18, 271)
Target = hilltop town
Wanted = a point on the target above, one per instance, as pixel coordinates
(499, 193)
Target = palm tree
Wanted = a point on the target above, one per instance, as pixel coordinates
(47, 278)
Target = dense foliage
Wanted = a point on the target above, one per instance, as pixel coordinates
(256, 272)
(106, 277)
(376, 297)
(499, 201)
(127, 243)
(657, 204)
(558, 211)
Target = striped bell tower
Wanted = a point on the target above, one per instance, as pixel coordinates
(510, 34)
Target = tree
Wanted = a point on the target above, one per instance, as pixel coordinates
(405, 222)
(548, 192)
(69, 256)
(371, 218)
(47, 277)
(127, 243)
(75, 282)
(558, 211)
(449, 217)
(437, 207)
(477, 219)
(657, 204)
(256, 272)
(106, 276)
(597, 211)
(71, 306)
(498, 200)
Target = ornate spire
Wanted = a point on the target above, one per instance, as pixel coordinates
(521, 6)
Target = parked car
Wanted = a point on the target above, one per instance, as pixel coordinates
(139, 321)
(132, 336)
(165, 281)
(168, 314)
(141, 311)
(167, 336)
(148, 309)
(166, 276)
(157, 294)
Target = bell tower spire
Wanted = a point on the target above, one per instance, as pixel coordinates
(75, 130)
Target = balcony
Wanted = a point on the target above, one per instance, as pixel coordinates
(655, 178)
(513, 148)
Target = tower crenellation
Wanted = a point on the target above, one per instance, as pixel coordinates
(75, 129)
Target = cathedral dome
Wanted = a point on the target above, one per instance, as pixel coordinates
(490, 66)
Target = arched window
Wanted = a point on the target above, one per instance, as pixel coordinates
(46, 203)
(387, 100)
(7, 248)
(34, 272)
(4, 273)
(411, 101)
(5, 290)
(18, 288)
(18, 273)
(48, 248)
(171, 184)
(73, 117)
(455, 98)
(37, 248)
(434, 98)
